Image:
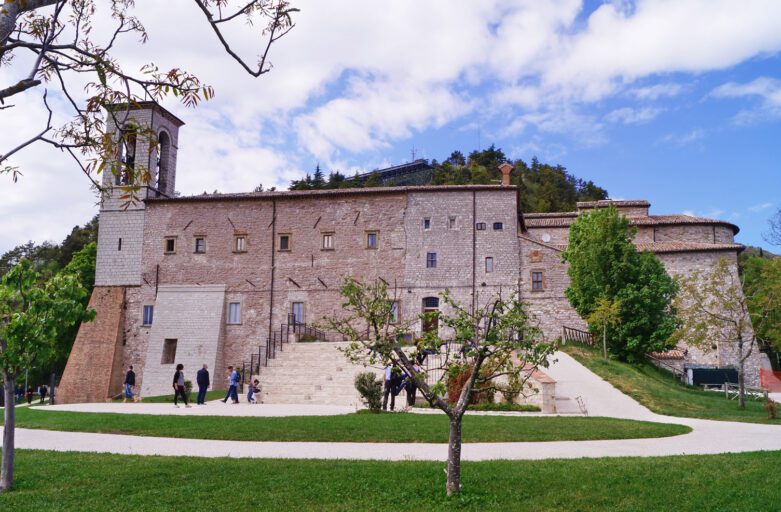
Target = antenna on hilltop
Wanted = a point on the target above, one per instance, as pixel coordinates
(479, 148)
(414, 152)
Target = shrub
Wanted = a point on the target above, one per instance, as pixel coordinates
(770, 407)
(370, 388)
(457, 377)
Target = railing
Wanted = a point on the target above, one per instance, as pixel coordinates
(664, 365)
(571, 334)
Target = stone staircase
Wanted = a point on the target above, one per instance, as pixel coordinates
(311, 373)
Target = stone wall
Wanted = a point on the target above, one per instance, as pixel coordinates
(120, 247)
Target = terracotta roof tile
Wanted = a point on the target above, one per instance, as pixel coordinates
(667, 247)
(560, 220)
(618, 204)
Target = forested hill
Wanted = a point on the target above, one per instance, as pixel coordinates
(544, 187)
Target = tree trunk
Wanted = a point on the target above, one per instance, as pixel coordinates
(454, 456)
(604, 341)
(9, 416)
(741, 377)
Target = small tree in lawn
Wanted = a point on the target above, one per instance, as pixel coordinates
(606, 314)
(31, 316)
(713, 309)
(492, 341)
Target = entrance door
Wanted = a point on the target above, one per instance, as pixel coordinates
(431, 312)
(298, 313)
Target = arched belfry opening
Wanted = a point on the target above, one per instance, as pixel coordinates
(163, 161)
(126, 157)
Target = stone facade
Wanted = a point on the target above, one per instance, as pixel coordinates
(221, 272)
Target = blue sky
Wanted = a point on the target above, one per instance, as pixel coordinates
(677, 102)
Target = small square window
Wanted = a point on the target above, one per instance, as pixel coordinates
(234, 313)
(149, 313)
(426, 223)
(480, 226)
(371, 239)
(170, 245)
(394, 312)
(431, 260)
(498, 226)
(537, 281)
(284, 242)
(489, 265)
(169, 351)
(240, 244)
(451, 222)
(328, 241)
(200, 245)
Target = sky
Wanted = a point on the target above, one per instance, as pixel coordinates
(673, 101)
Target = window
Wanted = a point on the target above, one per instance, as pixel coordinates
(430, 302)
(480, 226)
(298, 313)
(240, 243)
(169, 351)
(234, 313)
(284, 242)
(170, 245)
(200, 244)
(328, 241)
(371, 239)
(426, 223)
(119, 245)
(489, 265)
(537, 282)
(431, 260)
(149, 313)
(394, 312)
(451, 223)
(498, 226)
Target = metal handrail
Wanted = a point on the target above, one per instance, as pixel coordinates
(576, 335)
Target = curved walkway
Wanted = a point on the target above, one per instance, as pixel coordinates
(573, 380)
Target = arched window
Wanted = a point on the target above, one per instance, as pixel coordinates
(126, 157)
(163, 156)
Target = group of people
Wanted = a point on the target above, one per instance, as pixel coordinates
(397, 380)
(27, 394)
(203, 381)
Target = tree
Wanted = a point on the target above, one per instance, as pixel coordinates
(606, 314)
(318, 181)
(773, 235)
(31, 317)
(604, 263)
(713, 308)
(66, 55)
(491, 343)
(762, 286)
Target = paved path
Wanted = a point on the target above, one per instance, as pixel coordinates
(574, 380)
(213, 408)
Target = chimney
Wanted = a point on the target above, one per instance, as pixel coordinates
(506, 169)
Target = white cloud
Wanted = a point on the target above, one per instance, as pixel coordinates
(628, 115)
(760, 207)
(767, 89)
(654, 92)
(684, 139)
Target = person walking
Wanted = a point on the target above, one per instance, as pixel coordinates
(411, 387)
(386, 389)
(43, 390)
(29, 394)
(202, 379)
(254, 387)
(233, 386)
(130, 383)
(179, 386)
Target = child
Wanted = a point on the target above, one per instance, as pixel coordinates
(253, 388)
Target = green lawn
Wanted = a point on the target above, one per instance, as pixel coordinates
(361, 427)
(663, 393)
(75, 481)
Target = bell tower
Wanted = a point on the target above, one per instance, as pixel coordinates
(147, 138)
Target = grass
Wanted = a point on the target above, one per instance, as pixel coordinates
(663, 393)
(55, 481)
(496, 407)
(400, 428)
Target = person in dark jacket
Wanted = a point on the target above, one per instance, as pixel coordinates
(202, 379)
(29, 395)
(130, 383)
(179, 386)
(43, 390)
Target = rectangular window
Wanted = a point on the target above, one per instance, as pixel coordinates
(169, 245)
(498, 226)
(234, 313)
(119, 245)
(328, 241)
(240, 244)
(371, 240)
(427, 223)
(169, 351)
(489, 265)
(480, 226)
(537, 282)
(298, 313)
(431, 260)
(149, 313)
(394, 312)
(200, 245)
(284, 242)
(451, 222)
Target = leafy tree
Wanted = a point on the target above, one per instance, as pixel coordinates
(606, 314)
(373, 180)
(490, 158)
(713, 308)
(489, 342)
(318, 182)
(66, 52)
(761, 279)
(604, 264)
(32, 315)
(773, 234)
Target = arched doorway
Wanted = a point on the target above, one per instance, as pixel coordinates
(431, 312)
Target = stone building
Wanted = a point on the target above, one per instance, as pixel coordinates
(209, 278)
